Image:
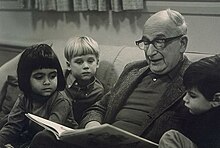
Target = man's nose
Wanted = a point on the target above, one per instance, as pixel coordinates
(151, 50)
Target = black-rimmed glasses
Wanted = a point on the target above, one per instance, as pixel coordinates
(158, 43)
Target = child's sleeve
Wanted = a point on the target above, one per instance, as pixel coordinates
(15, 123)
(62, 113)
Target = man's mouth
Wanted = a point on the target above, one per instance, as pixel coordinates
(155, 60)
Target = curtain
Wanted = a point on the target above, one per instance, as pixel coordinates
(83, 5)
(44, 5)
(63, 5)
(132, 4)
(116, 5)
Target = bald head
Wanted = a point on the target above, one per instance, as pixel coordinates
(164, 40)
(167, 22)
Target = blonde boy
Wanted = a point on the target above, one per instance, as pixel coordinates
(82, 58)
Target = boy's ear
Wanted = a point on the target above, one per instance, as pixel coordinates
(97, 64)
(68, 65)
(216, 100)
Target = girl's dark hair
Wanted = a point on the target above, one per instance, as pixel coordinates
(205, 76)
(37, 57)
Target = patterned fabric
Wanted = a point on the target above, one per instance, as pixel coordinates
(132, 4)
(63, 5)
(83, 5)
(116, 5)
(44, 5)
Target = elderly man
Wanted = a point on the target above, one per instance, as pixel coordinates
(147, 98)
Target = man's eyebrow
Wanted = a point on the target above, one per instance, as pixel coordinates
(144, 38)
(160, 35)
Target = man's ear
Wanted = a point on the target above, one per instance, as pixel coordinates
(216, 100)
(68, 65)
(184, 42)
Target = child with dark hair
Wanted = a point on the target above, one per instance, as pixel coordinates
(202, 82)
(41, 80)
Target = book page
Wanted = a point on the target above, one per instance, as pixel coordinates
(56, 128)
(100, 136)
(105, 135)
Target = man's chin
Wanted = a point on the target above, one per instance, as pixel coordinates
(158, 70)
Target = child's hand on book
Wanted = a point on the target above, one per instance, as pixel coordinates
(92, 124)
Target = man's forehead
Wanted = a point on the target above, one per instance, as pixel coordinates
(160, 24)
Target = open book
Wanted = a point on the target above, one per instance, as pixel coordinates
(102, 135)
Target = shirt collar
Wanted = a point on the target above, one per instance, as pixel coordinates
(71, 81)
(176, 69)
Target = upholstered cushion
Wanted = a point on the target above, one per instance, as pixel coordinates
(11, 94)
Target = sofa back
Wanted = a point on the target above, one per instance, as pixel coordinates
(112, 61)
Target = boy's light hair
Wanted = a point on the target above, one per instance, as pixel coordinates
(78, 46)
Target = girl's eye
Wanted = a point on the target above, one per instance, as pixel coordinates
(53, 75)
(38, 76)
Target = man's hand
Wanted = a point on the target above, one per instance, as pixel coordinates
(92, 124)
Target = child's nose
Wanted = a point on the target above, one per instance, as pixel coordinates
(85, 65)
(46, 81)
(185, 98)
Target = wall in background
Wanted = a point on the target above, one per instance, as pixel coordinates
(108, 28)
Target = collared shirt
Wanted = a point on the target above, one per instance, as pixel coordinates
(82, 96)
(143, 100)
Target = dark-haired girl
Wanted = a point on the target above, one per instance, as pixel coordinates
(41, 80)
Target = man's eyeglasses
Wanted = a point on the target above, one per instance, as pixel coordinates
(158, 43)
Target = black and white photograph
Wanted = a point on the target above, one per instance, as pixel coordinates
(109, 74)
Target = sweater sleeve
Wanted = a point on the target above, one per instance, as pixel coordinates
(97, 111)
(15, 124)
(61, 111)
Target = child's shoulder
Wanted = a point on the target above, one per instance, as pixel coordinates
(61, 95)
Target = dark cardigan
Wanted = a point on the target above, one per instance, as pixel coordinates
(170, 112)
